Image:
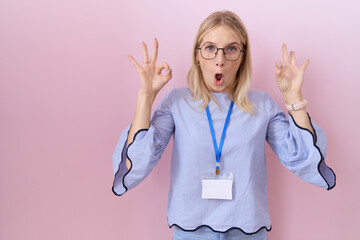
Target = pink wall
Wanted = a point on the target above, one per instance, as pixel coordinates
(67, 90)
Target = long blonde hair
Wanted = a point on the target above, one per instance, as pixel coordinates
(195, 79)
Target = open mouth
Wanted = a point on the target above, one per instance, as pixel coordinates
(219, 78)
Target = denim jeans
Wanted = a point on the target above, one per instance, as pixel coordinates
(205, 233)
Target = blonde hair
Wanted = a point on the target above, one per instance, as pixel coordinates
(195, 79)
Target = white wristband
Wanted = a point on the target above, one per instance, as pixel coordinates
(297, 106)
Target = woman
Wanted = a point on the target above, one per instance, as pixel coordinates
(218, 184)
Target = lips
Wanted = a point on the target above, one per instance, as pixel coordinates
(219, 78)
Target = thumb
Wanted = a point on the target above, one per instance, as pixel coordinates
(304, 66)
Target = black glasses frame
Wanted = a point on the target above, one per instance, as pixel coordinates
(217, 50)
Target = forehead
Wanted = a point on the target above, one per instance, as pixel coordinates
(221, 36)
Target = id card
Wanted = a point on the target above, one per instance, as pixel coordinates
(217, 186)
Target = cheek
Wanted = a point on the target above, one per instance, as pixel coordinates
(236, 67)
(204, 68)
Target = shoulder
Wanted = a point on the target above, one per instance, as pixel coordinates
(177, 94)
(174, 97)
(263, 101)
(259, 97)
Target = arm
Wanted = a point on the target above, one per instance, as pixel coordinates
(151, 81)
(302, 154)
(296, 148)
(290, 78)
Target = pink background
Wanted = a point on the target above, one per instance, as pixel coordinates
(67, 90)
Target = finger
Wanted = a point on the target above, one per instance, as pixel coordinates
(292, 58)
(168, 75)
(278, 66)
(145, 53)
(285, 54)
(162, 66)
(155, 51)
(134, 62)
(305, 64)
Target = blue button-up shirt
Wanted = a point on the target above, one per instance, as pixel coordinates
(243, 154)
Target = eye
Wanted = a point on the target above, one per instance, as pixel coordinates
(231, 49)
(210, 48)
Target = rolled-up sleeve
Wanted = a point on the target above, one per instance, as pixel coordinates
(298, 149)
(144, 152)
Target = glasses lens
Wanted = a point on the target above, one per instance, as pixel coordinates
(232, 53)
(208, 51)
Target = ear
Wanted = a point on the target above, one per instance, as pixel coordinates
(197, 58)
(240, 66)
(242, 59)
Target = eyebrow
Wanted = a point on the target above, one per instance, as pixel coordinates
(208, 42)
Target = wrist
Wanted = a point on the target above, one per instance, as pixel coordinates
(297, 106)
(293, 98)
(145, 96)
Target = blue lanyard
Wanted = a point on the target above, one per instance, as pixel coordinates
(219, 150)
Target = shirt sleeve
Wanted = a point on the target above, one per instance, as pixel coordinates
(145, 150)
(298, 149)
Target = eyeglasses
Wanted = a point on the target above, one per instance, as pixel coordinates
(231, 53)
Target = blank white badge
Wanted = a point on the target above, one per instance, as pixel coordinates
(217, 187)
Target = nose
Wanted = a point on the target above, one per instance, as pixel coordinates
(220, 58)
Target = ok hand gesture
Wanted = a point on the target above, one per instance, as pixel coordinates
(289, 77)
(151, 78)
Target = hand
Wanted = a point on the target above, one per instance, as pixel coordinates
(289, 77)
(151, 79)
